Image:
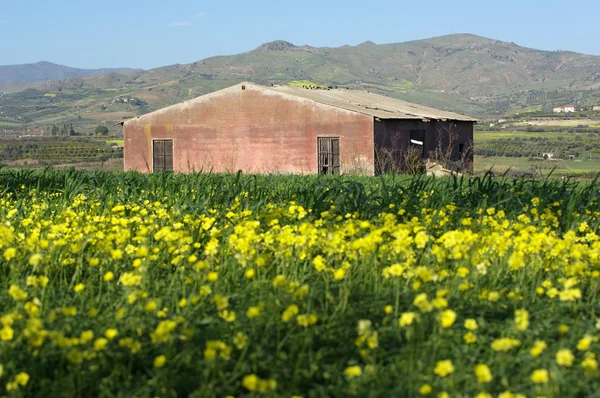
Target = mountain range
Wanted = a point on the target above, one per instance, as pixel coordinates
(45, 71)
(460, 72)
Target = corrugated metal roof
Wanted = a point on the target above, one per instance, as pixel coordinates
(358, 101)
(370, 103)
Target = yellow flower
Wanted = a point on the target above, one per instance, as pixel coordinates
(483, 373)
(353, 371)
(563, 329)
(86, 336)
(160, 361)
(470, 338)
(227, 315)
(448, 318)
(425, 389)
(93, 262)
(422, 303)
(116, 254)
(253, 312)
(585, 342)
(240, 340)
(484, 395)
(212, 276)
(205, 290)
(10, 253)
(319, 263)
(22, 379)
(494, 296)
(339, 274)
(443, 368)
(79, 287)
(306, 320)
(565, 357)
(388, 309)
(250, 273)
(538, 348)
(406, 319)
(522, 320)
(16, 293)
(505, 344)
(250, 382)
(1, 370)
(443, 394)
(100, 344)
(7, 333)
(111, 333)
(109, 276)
(589, 363)
(290, 312)
(540, 376)
(35, 259)
(471, 324)
(130, 279)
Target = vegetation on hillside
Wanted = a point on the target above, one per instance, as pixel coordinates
(463, 73)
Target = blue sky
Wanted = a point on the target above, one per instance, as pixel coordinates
(147, 34)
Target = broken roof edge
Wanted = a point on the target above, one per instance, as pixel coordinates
(371, 103)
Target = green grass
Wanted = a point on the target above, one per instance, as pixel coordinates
(204, 285)
(544, 167)
(481, 137)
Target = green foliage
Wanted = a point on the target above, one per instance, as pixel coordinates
(56, 151)
(101, 130)
(379, 68)
(157, 326)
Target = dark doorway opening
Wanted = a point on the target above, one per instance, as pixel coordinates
(329, 155)
(162, 155)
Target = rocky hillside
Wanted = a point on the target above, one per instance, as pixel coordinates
(461, 72)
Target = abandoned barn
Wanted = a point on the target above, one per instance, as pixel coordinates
(284, 129)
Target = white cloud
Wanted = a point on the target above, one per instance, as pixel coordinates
(190, 21)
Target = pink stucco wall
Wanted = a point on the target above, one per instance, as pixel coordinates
(255, 130)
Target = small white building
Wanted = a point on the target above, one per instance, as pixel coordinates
(596, 108)
(565, 109)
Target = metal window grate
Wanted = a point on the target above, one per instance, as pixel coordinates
(162, 155)
(329, 155)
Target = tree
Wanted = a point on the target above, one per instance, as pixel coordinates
(54, 130)
(64, 130)
(101, 130)
(72, 131)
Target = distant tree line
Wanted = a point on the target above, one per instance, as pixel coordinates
(66, 130)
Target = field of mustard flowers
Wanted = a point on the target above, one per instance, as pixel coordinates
(120, 284)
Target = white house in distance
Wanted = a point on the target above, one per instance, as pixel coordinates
(565, 109)
(596, 108)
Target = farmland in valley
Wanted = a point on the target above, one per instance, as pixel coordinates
(574, 153)
(229, 285)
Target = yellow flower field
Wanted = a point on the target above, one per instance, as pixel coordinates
(120, 284)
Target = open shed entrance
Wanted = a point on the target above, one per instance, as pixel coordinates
(162, 155)
(329, 155)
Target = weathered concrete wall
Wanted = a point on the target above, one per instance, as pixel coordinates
(255, 130)
(442, 140)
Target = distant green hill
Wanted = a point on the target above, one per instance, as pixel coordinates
(45, 71)
(461, 72)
